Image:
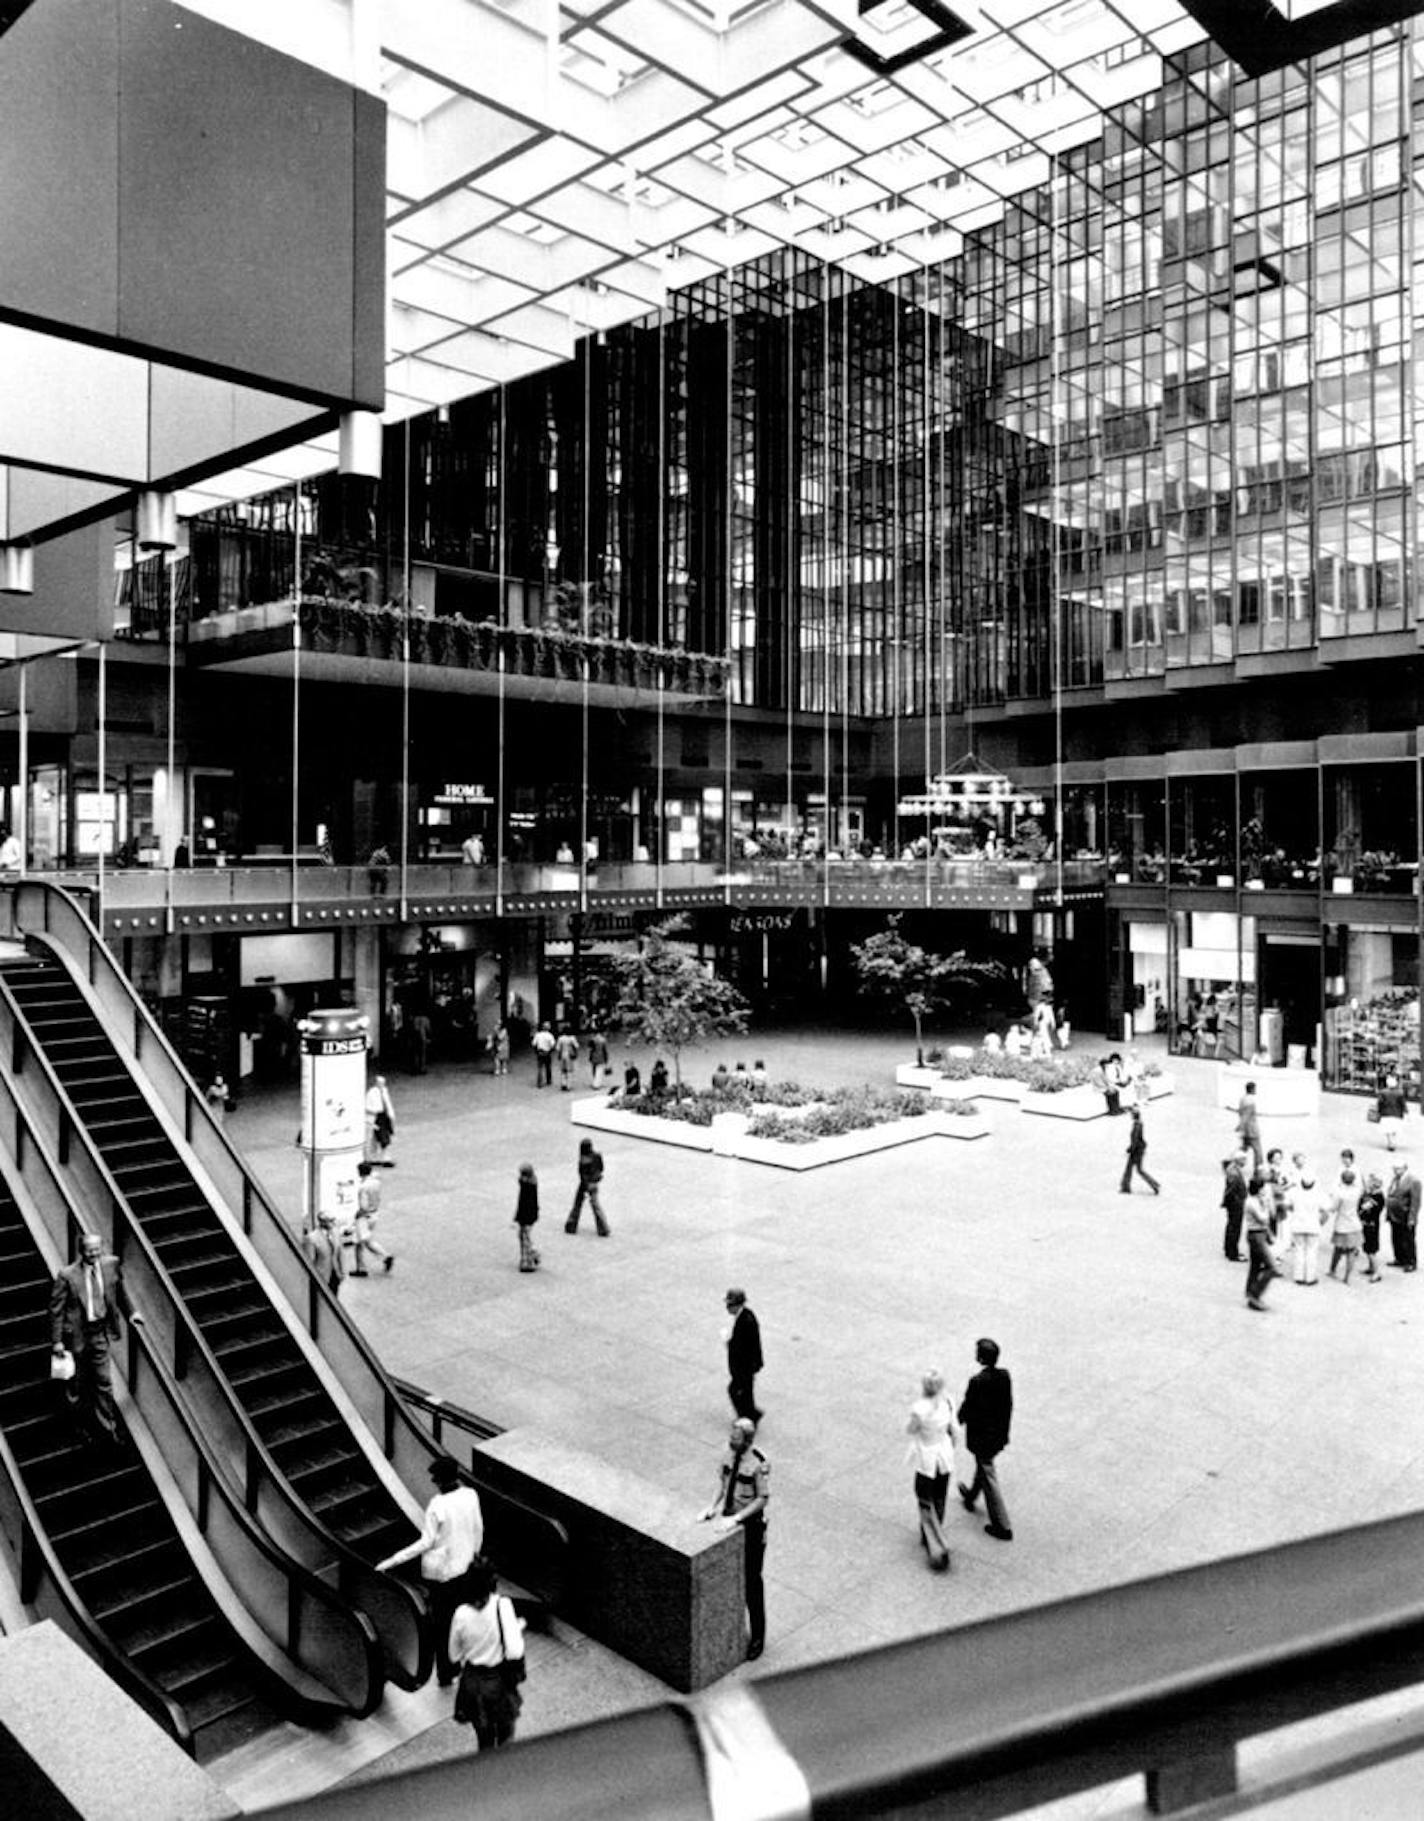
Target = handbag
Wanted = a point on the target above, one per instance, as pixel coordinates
(511, 1668)
(1372, 1115)
(61, 1366)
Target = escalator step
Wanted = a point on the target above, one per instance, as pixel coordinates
(108, 1573)
(179, 1641)
(288, 1419)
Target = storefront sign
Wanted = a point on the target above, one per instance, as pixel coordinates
(458, 796)
(761, 923)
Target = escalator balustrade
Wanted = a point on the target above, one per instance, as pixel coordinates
(270, 1375)
(109, 1529)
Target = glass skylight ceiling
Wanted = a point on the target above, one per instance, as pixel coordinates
(653, 142)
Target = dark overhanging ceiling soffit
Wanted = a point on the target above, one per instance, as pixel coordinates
(1259, 37)
(10, 11)
(948, 28)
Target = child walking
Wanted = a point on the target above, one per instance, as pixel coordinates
(526, 1212)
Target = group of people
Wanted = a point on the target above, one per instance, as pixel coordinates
(985, 1415)
(1034, 1036)
(526, 1207)
(561, 1047)
(479, 1636)
(1286, 1214)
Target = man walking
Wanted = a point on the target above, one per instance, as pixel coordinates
(1401, 1207)
(1136, 1151)
(1233, 1201)
(985, 1415)
(744, 1359)
(368, 1206)
(567, 1049)
(84, 1308)
(380, 1123)
(590, 1172)
(450, 1540)
(543, 1046)
(740, 1504)
(322, 1246)
(1248, 1125)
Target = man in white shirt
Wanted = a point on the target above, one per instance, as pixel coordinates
(454, 1531)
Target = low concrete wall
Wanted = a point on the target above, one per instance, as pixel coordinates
(645, 1576)
(73, 1743)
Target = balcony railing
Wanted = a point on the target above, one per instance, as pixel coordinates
(351, 629)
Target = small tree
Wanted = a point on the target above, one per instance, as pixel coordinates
(892, 968)
(667, 1000)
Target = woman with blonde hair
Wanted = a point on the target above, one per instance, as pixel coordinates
(931, 1453)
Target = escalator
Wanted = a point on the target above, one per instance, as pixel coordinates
(131, 1589)
(283, 1399)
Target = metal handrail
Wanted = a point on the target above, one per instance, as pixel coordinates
(399, 1610)
(303, 1617)
(350, 1356)
(1161, 1677)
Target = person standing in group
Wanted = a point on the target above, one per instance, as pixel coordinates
(985, 1414)
(590, 1175)
(1299, 1208)
(380, 1123)
(368, 1207)
(1345, 1227)
(744, 1359)
(1371, 1211)
(1248, 1125)
(449, 1541)
(1233, 1201)
(487, 1644)
(1256, 1218)
(500, 1044)
(1065, 1028)
(85, 1303)
(1390, 1109)
(566, 1048)
(526, 1214)
(1136, 1152)
(1401, 1206)
(932, 1437)
(322, 1246)
(1114, 1079)
(597, 1056)
(741, 1502)
(543, 1046)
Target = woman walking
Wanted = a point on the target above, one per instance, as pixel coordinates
(487, 1643)
(931, 1453)
(526, 1212)
(1390, 1109)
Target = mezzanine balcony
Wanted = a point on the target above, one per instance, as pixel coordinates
(348, 641)
(272, 894)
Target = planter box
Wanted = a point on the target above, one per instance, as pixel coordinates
(1071, 1103)
(595, 1112)
(846, 1145)
(911, 1075)
(728, 1136)
(979, 1087)
(1280, 1093)
(1159, 1086)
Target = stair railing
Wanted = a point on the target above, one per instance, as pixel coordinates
(398, 1609)
(38, 907)
(298, 1611)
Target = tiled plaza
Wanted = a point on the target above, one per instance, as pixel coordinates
(1158, 1422)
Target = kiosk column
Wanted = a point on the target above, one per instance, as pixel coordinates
(334, 1046)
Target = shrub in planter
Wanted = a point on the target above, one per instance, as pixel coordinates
(842, 1110)
(1056, 1077)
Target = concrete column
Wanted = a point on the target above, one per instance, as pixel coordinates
(365, 963)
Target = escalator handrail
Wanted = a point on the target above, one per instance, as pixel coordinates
(365, 1584)
(253, 1194)
(318, 1307)
(39, 1565)
(303, 1586)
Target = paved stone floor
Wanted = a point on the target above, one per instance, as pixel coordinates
(1158, 1422)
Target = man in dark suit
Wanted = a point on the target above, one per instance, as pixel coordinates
(84, 1308)
(743, 1355)
(986, 1413)
(1233, 1202)
(1401, 1205)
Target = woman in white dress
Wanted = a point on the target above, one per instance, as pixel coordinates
(931, 1453)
